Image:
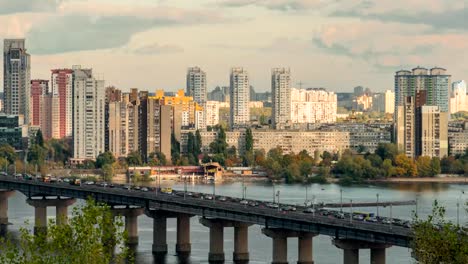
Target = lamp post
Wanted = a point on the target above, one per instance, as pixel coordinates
(159, 178)
(341, 200)
(313, 206)
(306, 198)
(458, 208)
(185, 186)
(377, 204)
(391, 216)
(351, 211)
(274, 193)
(245, 192)
(416, 205)
(278, 198)
(214, 191)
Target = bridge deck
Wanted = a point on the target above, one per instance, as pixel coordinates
(268, 217)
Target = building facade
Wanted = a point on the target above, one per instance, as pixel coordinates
(239, 114)
(288, 141)
(16, 78)
(313, 106)
(159, 127)
(281, 96)
(39, 89)
(196, 84)
(88, 115)
(212, 113)
(384, 102)
(458, 138)
(13, 131)
(459, 98)
(62, 89)
(421, 119)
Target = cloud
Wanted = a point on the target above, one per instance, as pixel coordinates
(21, 6)
(78, 29)
(156, 48)
(280, 5)
(439, 14)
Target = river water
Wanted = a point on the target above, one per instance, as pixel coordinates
(260, 246)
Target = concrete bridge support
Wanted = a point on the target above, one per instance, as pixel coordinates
(4, 195)
(183, 246)
(280, 245)
(216, 254)
(40, 211)
(131, 222)
(241, 243)
(351, 251)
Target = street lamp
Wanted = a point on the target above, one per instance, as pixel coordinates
(313, 206)
(214, 191)
(341, 200)
(245, 192)
(377, 205)
(351, 211)
(278, 198)
(458, 208)
(185, 186)
(307, 194)
(274, 193)
(391, 216)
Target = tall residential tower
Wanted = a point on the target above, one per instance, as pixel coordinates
(281, 93)
(16, 78)
(239, 97)
(196, 84)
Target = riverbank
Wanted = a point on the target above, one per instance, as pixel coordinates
(423, 180)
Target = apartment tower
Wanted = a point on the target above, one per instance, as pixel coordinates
(239, 97)
(281, 95)
(16, 78)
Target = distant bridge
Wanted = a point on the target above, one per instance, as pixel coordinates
(349, 235)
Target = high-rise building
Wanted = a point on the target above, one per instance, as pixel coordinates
(62, 90)
(112, 95)
(196, 84)
(39, 89)
(281, 96)
(16, 78)
(459, 98)
(313, 106)
(421, 117)
(384, 102)
(1, 102)
(88, 115)
(159, 127)
(239, 97)
(212, 113)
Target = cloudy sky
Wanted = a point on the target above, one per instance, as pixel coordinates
(337, 44)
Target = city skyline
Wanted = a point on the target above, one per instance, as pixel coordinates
(365, 41)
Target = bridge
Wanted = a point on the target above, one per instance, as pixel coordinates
(216, 214)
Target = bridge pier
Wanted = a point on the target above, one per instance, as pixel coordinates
(4, 195)
(131, 222)
(183, 246)
(40, 211)
(280, 245)
(351, 251)
(241, 243)
(216, 254)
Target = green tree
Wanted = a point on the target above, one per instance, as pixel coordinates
(104, 158)
(59, 150)
(198, 144)
(436, 240)
(134, 159)
(387, 151)
(248, 140)
(39, 138)
(90, 237)
(3, 163)
(175, 149)
(157, 159)
(37, 155)
(8, 152)
(108, 172)
(424, 166)
(387, 168)
(435, 166)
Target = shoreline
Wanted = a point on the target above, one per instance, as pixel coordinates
(422, 180)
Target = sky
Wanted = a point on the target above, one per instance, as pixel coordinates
(149, 44)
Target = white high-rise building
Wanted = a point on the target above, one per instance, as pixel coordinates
(459, 98)
(196, 84)
(16, 78)
(281, 95)
(62, 87)
(384, 102)
(239, 97)
(313, 106)
(88, 115)
(212, 113)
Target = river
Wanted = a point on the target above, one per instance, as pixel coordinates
(260, 246)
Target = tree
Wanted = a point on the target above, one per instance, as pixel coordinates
(248, 140)
(37, 155)
(8, 152)
(157, 159)
(424, 166)
(39, 138)
(198, 144)
(387, 168)
(59, 150)
(175, 149)
(3, 163)
(134, 159)
(435, 166)
(405, 166)
(436, 240)
(107, 172)
(104, 158)
(90, 237)
(387, 151)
